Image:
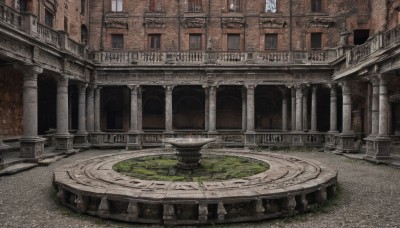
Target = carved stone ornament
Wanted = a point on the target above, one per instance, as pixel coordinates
(193, 22)
(154, 23)
(49, 59)
(16, 48)
(272, 23)
(118, 23)
(233, 22)
(320, 22)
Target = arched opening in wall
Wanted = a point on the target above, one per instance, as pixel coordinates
(115, 109)
(323, 109)
(11, 103)
(359, 110)
(47, 104)
(395, 106)
(84, 34)
(153, 108)
(73, 102)
(229, 107)
(188, 107)
(268, 108)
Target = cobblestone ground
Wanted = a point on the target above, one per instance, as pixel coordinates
(370, 197)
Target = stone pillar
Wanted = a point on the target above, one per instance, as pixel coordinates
(305, 109)
(64, 140)
(213, 108)
(32, 146)
(293, 108)
(134, 109)
(140, 110)
(97, 95)
(314, 109)
(299, 108)
(333, 111)
(383, 108)
(90, 109)
(346, 138)
(284, 112)
(206, 109)
(375, 108)
(81, 134)
(168, 108)
(244, 109)
(250, 108)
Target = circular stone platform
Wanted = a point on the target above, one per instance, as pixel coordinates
(290, 186)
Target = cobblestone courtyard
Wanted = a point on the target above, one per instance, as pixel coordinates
(369, 198)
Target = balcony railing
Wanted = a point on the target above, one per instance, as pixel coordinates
(47, 35)
(10, 16)
(218, 58)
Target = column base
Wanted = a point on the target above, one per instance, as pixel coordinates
(133, 141)
(297, 138)
(345, 143)
(330, 139)
(32, 147)
(3, 147)
(81, 141)
(64, 143)
(378, 147)
(250, 139)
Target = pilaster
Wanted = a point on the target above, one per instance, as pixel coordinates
(168, 108)
(250, 133)
(133, 141)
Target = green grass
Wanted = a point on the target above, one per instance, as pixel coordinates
(213, 168)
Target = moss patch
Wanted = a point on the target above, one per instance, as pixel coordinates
(212, 168)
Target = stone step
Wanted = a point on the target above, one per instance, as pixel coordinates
(17, 168)
(48, 161)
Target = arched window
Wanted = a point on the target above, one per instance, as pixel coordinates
(84, 34)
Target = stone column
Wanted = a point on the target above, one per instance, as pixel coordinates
(213, 108)
(293, 108)
(32, 146)
(244, 109)
(97, 95)
(206, 109)
(168, 108)
(140, 110)
(375, 108)
(305, 109)
(81, 134)
(250, 108)
(284, 112)
(314, 109)
(64, 140)
(90, 109)
(346, 125)
(299, 108)
(383, 108)
(134, 109)
(333, 111)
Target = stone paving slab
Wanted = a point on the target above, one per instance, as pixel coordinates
(17, 168)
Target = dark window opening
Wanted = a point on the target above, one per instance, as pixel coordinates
(155, 42)
(195, 41)
(66, 24)
(48, 18)
(271, 41)
(194, 5)
(155, 6)
(117, 41)
(84, 34)
(233, 42)
(83, 7)
(360, 36)
(316, 40)
(316, 5)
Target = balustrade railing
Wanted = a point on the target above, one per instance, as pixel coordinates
(47, 35)
(10, 16)
(75, 48)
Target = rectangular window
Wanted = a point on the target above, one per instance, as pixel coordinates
(195, 41)
(155, 6)
(83, 2)
(116, 5)
(271, 41)
(195, 5)
(270, 6)
(234, 5)
(117, 41)
(316, 5)
(316, 40)
(233, 42)
(155, 42)
(66, 24)
(48, 18)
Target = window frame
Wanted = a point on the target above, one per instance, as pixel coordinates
(316, 6)
(234, 3)
(48, 18)
(267, 3)
(195, 6)
(83, 7)
(313, 36)
(199, 42)
(154, 41)
(155, 6)
(116, 6)
(275, 36)
(115, 43)
(230, 36)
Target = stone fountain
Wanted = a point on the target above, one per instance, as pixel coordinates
(188, 150)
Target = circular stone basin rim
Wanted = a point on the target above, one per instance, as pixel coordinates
(188, 142)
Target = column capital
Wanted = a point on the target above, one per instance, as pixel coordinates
(169, 88)
(82, 88)
(62, 80)
(133, 88)
(28, 70)
(346, 86)
(250, 86)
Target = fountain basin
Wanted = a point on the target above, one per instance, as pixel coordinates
(188, 142)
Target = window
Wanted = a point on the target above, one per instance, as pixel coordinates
(233, 42)
(117, 41)
(270, 6)
(195, 42)
(66, 24)
(271, 41)
(83, 7)
(316, 5)
(360, 36)
(48, 18)
(21, 5)
(84, 34)
(155, 42)
(316, 40)
(155, 6)
(234, 5)
(194, 5)
(116, 5)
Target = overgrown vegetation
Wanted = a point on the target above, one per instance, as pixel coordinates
(212, 168)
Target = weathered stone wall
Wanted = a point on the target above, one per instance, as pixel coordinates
(10, 102)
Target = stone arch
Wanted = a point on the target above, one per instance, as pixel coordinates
(153, 107)
(229, 107)
(268, 108)
(188, 107)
